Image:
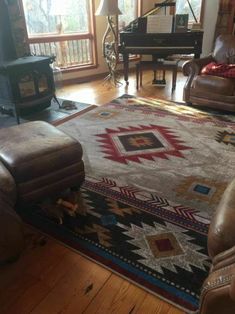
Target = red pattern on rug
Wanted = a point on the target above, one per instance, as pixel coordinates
(133, 143)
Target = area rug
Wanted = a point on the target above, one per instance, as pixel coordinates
(154, 176)
(184, 157)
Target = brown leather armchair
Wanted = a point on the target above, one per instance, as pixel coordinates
(218, 292)
(209, 90)
(11, 227)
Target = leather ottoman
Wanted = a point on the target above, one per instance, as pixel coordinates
(42, 160)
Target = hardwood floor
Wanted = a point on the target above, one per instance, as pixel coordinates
(98, 92)
(50, 278)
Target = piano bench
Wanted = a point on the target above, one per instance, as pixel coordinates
(155, 66)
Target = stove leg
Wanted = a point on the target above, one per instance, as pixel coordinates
(56, 99)
(17, 114)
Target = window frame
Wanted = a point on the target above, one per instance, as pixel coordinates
(90, 35)
(138, 11)
(201, 18)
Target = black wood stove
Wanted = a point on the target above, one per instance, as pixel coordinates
(31, 84)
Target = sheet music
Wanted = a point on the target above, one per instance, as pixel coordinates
(159, 23)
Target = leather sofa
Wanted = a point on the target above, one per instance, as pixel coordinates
(209, 90)
(11, 227)
(36, 161)
(218, 292)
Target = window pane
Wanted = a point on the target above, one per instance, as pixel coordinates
(56, 16)
(129, 9)
(182, 7)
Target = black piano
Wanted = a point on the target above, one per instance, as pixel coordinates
(135, 40)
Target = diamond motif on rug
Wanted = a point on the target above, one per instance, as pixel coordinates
(105, 114)
(164, 245)
(134, 143)
(202, 189)
(226, 138)
(160, 249)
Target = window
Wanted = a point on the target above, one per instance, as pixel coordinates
(182, 7)
(62, 28)
(130, 10)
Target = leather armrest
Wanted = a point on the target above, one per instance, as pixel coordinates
(191, 69)
(8, 192)
(218, 292)
(224, 259)
(11, 233)
(194, 66)
(221, 235)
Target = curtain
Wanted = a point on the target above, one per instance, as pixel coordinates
(18, 28)
(225, 20)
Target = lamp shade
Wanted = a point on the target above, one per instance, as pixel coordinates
(108, 7)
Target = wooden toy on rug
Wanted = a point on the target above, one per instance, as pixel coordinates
(70, 207)
(54, 211)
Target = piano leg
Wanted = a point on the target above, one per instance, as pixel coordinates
(126, 66)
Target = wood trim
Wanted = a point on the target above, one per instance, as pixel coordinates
(79, 68)
(93, 77)
(93, 31)
(85, 79)
(140, 7)
(74, 115)
(58, 38)
(201, 17)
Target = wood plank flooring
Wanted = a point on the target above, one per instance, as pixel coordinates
(98, 92)
(50, 278)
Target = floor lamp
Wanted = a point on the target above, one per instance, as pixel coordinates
(109, 8)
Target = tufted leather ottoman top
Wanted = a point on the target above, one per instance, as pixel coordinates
(35, 149)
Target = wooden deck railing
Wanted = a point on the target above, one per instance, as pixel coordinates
(69, 52)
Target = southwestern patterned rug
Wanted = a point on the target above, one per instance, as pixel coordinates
(155, 173)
